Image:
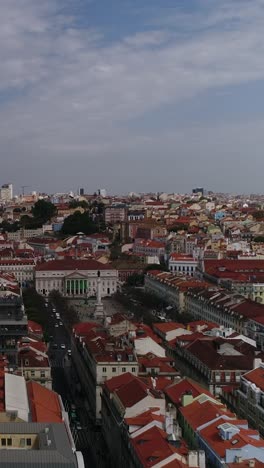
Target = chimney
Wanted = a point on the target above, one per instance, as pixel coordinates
(251, 463)
(256, 363)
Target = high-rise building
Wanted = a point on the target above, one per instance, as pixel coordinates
(6, 192)
(198, 190)
(102, 192)
(81, 191)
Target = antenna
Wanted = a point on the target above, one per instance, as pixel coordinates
(23, 188)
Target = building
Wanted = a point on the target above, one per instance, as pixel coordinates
(215, 362)
(13, 326)
(22, 269)
(150, 248)
(34, 365)
(250, 398)
(171, 287)
(115, 214)
(6, 192)
(181, 263)
(224, 308)
(29, 444)
(97, 358)
(75, 278)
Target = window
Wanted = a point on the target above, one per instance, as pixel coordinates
(104, 369)
(33, 373)
(3, 442)
(22, 442)
(113, 369)
(133, 369)
(9, 442)
(123, 369)
(28, 442)
(42, 373)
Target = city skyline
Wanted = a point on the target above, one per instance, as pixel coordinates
(131, 97)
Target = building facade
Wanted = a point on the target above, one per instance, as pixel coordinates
(75, 278)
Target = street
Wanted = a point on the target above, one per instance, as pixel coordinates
(65, 385)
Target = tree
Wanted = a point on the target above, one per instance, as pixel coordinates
(259, 239)
(78, 203)
(258, 214)
(44, 210)
(156, 266)
(79, 222)
(135, 279)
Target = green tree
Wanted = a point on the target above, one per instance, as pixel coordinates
(79, 222)
(44, 210)
(78, 203)
(259, 239)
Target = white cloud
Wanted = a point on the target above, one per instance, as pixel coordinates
(76, 92)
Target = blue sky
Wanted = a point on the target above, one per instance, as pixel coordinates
(159, 95)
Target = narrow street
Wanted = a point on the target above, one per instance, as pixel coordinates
(65, 385)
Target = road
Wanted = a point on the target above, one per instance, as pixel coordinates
(65, 385)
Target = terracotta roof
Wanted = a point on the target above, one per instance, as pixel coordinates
(198, 413)
(168, 326)
(71, 265)
(178, 389)
(145, 418)
(45, 405)
(117, 382)
(152, 447)
(244, 437)
(34, 327)
(256, 376)
(131, 393)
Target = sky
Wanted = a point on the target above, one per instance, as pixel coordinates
(132, 95)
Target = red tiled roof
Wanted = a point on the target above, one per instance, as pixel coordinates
(45, 405)
(211, 435)
(117, 382)
(145, 418)
(197, 413)
(178, 389)
(131, 393)
(256, 376)
(152, 447)
(71, 265)
(34, 327)
(168, 326)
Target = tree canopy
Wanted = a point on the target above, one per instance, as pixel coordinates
(79, 222)
(44, 210)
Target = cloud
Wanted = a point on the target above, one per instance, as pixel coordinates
(68, 93)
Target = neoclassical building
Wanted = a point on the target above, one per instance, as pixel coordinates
(75, 278)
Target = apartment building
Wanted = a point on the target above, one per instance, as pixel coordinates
(171, 287)
(13, 326)
(215, 362)
(223, 307)
(116, 214)
(22, 269)
(250, 398)
(183, 263)
(97, 358)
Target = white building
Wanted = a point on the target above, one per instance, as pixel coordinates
(6, 192)
(22, 269)
(180, 263)
(75, 278)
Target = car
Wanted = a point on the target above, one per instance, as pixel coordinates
(78, 426)
(55, 346)
(51, 337)
(62, 346)
(69, 352)
(53, 309)
(60, 323)
(73, 414)
(56, 325)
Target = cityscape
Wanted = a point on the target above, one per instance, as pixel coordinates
(132, 329)
(131, 234)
